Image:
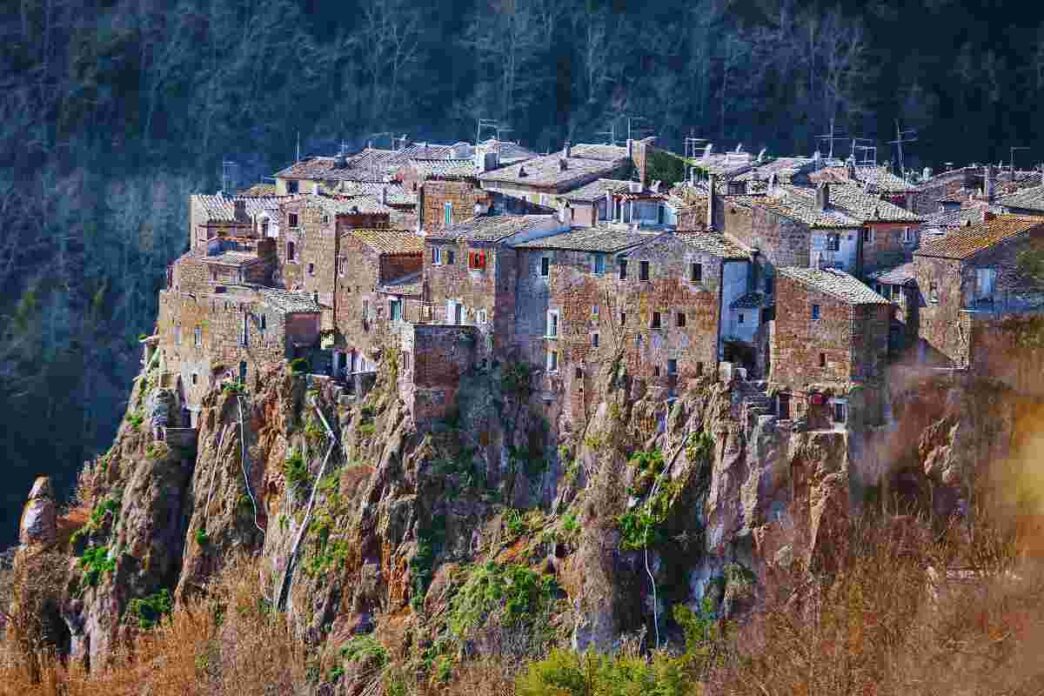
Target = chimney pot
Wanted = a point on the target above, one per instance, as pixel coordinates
(567, 151)
(823, 196)
(712, 222)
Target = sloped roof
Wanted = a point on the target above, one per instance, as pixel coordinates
(547, 171)
(900, 275)
(397, 195)
(221, 208)
(289, 302)
(369, 164)
(851, 199)
(726, 164)
(604, 153)
(965, 242)
(797, 205)
(259, 190)
(782, 167)
(409, 284)
(491, 228)
(388, 241)
(835, 283)
(751, 300)
(508, 152)
(1027, 199)
(714, 243)
(588, 193)
(597, 239)
(228, 258)
(876, 178)
(444, 168)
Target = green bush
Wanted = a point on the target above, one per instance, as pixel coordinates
(296, 471)
(135, 419)
(155, 451)
(569, 673)
(201, 537)
(148, 611)
(299, 366)
(513, 592)
(515, 524)
(365, 648)
(516, 379)
(95, 562)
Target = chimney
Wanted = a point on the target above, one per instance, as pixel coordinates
(567, 151)
(384, 195)
(712, 196)
(634, 186)
(563, 213)
(850, 169)
(823, 196)
(630, 147)
(239, 206)
(988, 186)
(609, 205)
(522, 172)
(563, 164)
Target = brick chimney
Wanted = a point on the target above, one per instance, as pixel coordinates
(239, 206)
(823, 196)
(989, 186)
(567, 150)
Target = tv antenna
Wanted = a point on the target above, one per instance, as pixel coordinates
(228, 175)
(869, 151)
(902, 136)
(694, 148)
(632, 121)
(611, 132)
(1011, 159)
(831, 137)
(485, 124)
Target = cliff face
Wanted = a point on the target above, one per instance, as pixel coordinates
(494, 531)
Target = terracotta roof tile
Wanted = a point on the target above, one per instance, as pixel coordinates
(853, 200)
(289, 302)
(221, 208)
(585, 162)
(1027, 199)
(444, 168)
(835, 283)
(714, 243)
(494, 228)
(387, 241)
(799, 207)
(965, 242)
(396, 194)
(589, 193)
(598, 239)
(900, 275)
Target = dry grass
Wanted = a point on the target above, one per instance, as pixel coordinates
(229, 643)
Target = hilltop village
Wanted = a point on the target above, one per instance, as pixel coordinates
(798, 279)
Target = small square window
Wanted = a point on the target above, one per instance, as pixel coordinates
(908, 235)
(833, 242)
(815, 312)
(594, 340)
(291, 186)
(643, 270)
(840, 411)
(195, 378)
(822, 360)
(696, 272)
(291, 220)
(623, 318)
(655, 323)
(451, 257)
(311, 269)
(656, 371)
(672, 366)
(545, 266)
(623, 269)
(868, 235)
(578, 373)
(679, 319)
(699, 369)
(741, 318)
(598, 264)
(552, 361)
(594, 310)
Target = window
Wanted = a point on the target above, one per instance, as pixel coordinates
(696, 272)
(868, 235)
(770, 284)
(933, 292)
(672, 366)
(643, 270)
(656, 371)
(623, 318)
(679, 319)
(342, 266)
(840, 411)
(623, 269)
(552, 361)
(815, 312)
(699, 369)
(822, 359)
(480, 316)
(545, 266)
(477, 260)
(594, 340)
(741, 318)
(326, 219)
(244, 332)
(833, 242)
(908, 235)
(594, 311)
(655, 323)
(264, 228)
(985, 282)
(291, 251)
(263, 322)
(195, 378)
(291, 187)
(598, 263)
(578, 373)
(395, 310)
(311, 269)
(291, 220)
(551, 325)
(197, 336)
(447, 213)
(451, 257)
(436, 256)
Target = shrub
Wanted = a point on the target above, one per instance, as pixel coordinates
(95, 562)
(157, 450)
(135, 419)
(516, 379)
(148, 611)
(296, 471)
(365, 648)
(514, 592)
(201, 537)
(569, 673)
(299, 366)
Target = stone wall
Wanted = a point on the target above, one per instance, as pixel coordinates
(944, 331)
(781, 241)
(487, 292)
(432, 362)
(887, 248)
(435, 193)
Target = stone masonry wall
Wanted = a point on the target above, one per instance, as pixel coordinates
(887, 248)
(436, 193)
(433, 361)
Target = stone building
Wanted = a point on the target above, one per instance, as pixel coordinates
(828, 348)
(231, 332)
(899, 286)
(375, 271)
(201, 270)
(433, 359)
(970, 276)
(217, 217)
(1029, 202)
(789, 227)
(656, 301)
(470, 273)
(872, 178)
(544, 179)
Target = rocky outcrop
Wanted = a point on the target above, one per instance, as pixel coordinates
(38, 526)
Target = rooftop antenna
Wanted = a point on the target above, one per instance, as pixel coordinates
(484, 124)
(400, 142)
(298, 151)
(611, 132)
(831, 137)
(630, 127)
(228, 175)
(1011, 159)
(693, 150)
(867, 151)
(503, 129)
(901, 136)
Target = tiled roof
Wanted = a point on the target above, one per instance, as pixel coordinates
(409, 284)
(397, 195)
(370, 164)
(491, 228)
(900, 275)
(349, 206)
(387, 241)
(599, 239)
(548, 171)
(259, 190)
(863, 206)
(726, 164)
(876, 178)
(444, 168)
(230, 258)
(835, 283)
(965, 242)
(782, 167)
(589, 193)
(1027, 199)
(289, 302)
(714, 243)
(604, 153)
(508, 152)
(221, 208)
(798, 206)
(751, 300)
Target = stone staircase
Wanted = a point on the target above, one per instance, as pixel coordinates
(753, 399)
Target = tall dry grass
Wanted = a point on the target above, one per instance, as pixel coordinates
(229, 643)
